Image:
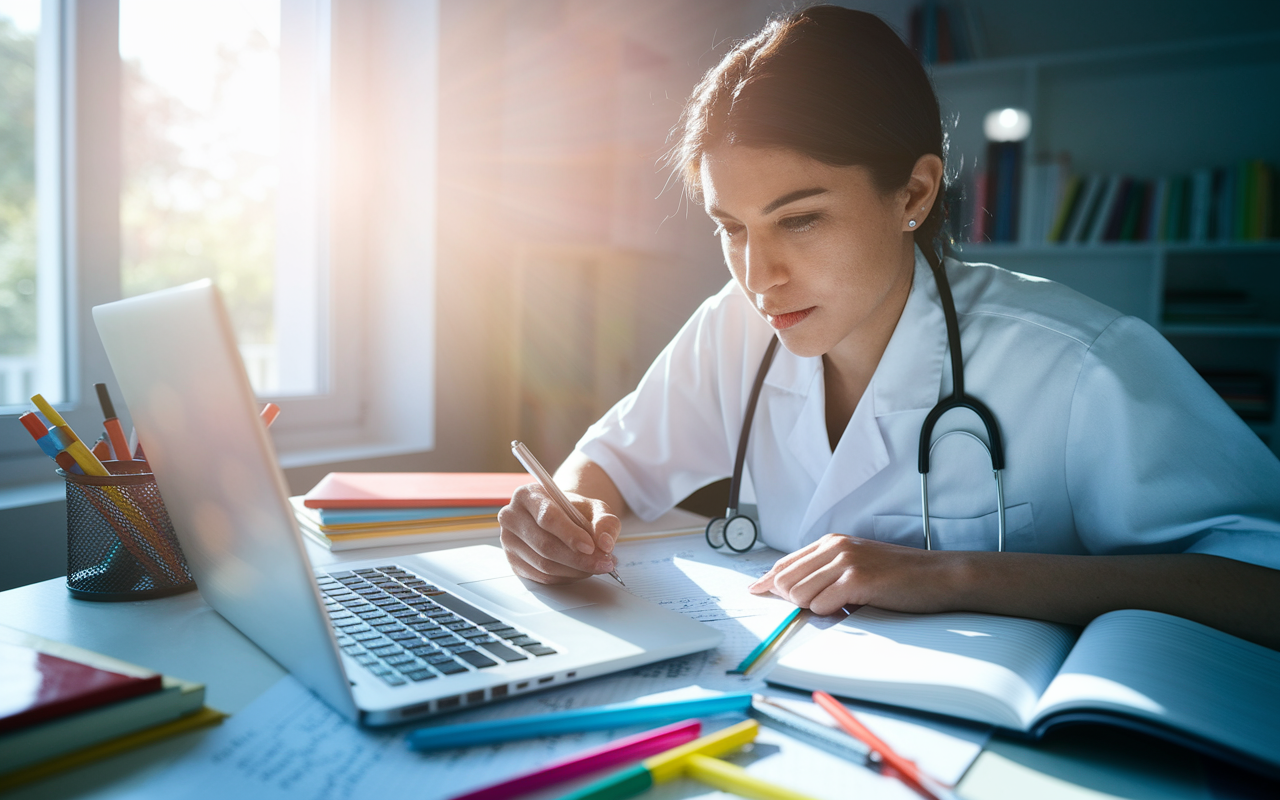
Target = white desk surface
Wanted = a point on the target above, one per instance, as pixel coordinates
(183, 636)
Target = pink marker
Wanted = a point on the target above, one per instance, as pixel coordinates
(632, 748)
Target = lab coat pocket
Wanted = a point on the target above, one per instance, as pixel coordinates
(969, 533)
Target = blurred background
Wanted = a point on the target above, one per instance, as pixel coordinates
(444, 225)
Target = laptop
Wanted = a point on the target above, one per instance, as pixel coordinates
(382, 641)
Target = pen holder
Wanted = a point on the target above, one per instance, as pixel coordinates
(120, 542)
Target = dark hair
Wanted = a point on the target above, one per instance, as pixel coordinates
(835, 84)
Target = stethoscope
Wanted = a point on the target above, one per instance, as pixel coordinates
(738, 532)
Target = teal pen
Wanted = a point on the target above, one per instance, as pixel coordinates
(599, 718)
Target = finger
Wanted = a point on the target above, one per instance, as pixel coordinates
(606, 525)
(518, 524)
(830, 577)
(766, 581)
(786, 577)
(529, 564)
(551, 518)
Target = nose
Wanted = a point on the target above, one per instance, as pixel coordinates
(765, 268)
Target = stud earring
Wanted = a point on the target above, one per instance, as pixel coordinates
(911, 224)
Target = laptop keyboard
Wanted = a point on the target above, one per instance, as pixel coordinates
(404, 630)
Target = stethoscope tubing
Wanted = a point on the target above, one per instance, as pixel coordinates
(716, 529)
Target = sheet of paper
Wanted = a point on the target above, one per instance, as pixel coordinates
(289, 744)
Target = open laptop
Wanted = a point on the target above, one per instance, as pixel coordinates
(381, 641)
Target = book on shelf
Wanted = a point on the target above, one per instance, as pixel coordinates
(1223, 204)
(1140, 670)
(90, 714)
(945, 32)
(1247, 393)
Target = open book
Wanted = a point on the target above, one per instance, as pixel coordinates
(1140, 669)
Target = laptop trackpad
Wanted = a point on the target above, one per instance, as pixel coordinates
(522, 596)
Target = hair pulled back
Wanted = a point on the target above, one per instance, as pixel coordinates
(832, 83)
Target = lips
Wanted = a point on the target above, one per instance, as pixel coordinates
(783, 321)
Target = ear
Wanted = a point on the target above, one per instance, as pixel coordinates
(921, 191)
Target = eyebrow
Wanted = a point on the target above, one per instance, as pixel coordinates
(791, 197)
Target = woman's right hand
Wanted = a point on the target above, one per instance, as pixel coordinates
(543, 544)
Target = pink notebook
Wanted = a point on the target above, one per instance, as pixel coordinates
(414, 489)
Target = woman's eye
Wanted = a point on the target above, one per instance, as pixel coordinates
(799, 224)
(727, 228)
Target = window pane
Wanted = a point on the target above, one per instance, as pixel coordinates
(26, 277)
(201, 180)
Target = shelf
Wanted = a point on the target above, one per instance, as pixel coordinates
(1115, 248)
(1243, 330)
(1223, 51)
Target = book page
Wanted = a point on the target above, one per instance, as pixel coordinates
(977, 666)
(1178, 674)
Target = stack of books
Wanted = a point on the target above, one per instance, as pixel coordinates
(348, 510)
(63, 706)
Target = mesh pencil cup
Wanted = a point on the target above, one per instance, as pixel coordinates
(120, 542)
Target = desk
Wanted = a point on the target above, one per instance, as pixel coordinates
(182, 636)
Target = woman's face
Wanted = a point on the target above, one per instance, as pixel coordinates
(825, 257)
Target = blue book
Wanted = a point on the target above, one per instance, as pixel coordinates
(364, 516)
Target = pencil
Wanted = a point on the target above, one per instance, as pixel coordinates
(746, 663)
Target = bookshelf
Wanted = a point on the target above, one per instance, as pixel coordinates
(1147, 111)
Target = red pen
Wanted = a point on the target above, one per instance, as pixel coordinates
(119, 444)
(45, 439)
(910, 773)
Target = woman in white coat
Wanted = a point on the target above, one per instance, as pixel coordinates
(817, 149)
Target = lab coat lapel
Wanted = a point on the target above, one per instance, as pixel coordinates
(907, 378)
(797, 405)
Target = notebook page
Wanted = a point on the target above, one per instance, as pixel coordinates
(976, 666)
(1178, 673)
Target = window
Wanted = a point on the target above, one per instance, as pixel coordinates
(235, 118)
(208, 190)
(31, 324)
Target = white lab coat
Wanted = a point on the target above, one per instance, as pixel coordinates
(1113, 443)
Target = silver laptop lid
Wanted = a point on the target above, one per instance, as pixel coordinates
(183, 380)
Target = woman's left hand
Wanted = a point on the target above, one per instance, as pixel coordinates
(839, 570)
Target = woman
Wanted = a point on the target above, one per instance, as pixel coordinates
(817, 149)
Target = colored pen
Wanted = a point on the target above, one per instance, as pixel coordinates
(734, 779)
(632, 748)
(101, 448)
(44, 438)
(269, 413)
(596, 718)
(833, 741)
(119, 445)
(746, 663)
(907, 769)
(535, 468)
(666, 766)
(87, 460)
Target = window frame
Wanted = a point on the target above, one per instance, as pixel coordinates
(376, 233)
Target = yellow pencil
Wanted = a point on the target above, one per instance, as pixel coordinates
(86, 459)
(734, 779)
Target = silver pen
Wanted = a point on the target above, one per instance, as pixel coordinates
(539, 472)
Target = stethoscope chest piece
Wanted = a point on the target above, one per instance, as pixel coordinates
(735, 531)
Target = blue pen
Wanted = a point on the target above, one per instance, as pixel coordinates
(599, 718)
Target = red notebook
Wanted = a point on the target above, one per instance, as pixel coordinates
(37, 687)
(414, 489)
